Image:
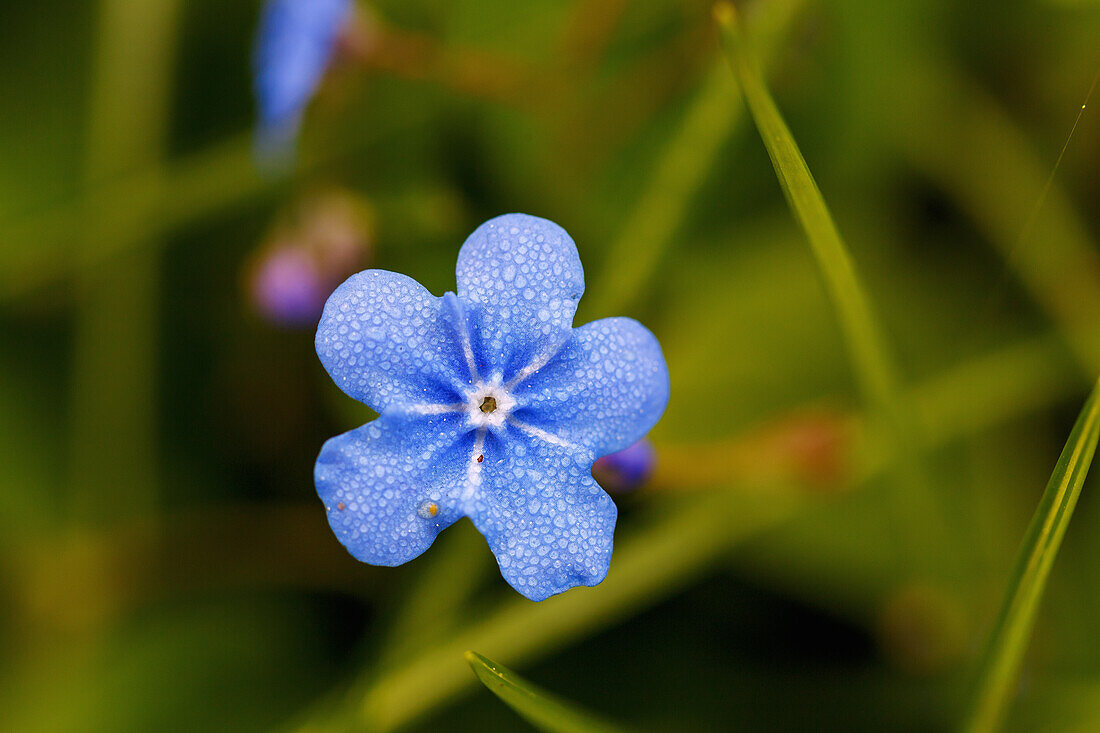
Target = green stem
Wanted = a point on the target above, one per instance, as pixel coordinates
(1000, 665)
(679, 172)
(114, 363)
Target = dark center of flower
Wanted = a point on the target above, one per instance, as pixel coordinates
(489, 404)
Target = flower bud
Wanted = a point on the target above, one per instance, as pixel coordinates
(628, 469)
(318, 245)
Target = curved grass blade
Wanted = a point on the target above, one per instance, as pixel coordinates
(541, 709)
(874, 369)
(679, 172)
(1001, 663)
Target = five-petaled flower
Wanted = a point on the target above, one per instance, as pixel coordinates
(492, 406)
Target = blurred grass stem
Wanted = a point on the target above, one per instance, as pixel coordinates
(678, 173)
(113, 459)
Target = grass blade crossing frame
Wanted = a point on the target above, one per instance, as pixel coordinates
(874, 369)
(1001, 663)
(539, 708)
(679, 172)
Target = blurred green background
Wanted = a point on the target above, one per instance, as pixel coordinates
(164, 562)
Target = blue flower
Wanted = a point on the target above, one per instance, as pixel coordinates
(492, 406)
(294, 46)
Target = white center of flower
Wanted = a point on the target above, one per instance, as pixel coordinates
(488, 405)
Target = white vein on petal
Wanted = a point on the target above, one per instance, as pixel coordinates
(433, 409)
(543, 435)
(473, 468)
(463, 333)
(537, 363)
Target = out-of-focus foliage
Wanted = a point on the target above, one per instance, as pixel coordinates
(164, 560)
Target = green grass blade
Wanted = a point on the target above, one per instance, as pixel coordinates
(679, 172)
(539, 708)
(1001, 662)
(874, 369)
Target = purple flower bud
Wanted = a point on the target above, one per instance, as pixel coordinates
(287, 289)
(628, 469)
(313, 247)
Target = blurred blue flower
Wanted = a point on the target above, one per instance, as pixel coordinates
(627, 469)
(492, 406)
(294, 46)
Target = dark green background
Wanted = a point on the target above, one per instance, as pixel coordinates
(165, 564)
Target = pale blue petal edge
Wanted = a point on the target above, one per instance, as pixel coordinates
(546, 520)
(379, 483)
(389, 343)
(521, 279)
(604, 390)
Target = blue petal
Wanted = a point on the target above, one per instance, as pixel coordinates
(521, 278)
(548, 523)
(390, 343)
(604, 390)
(380, 482)
(294, 47)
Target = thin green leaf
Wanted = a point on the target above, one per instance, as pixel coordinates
(1000, 665)
(541, 709)
(873, 367)
(679, 171)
